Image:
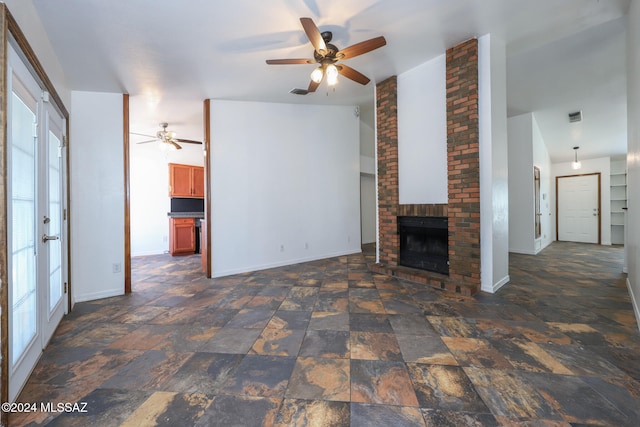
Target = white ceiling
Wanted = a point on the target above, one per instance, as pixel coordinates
(171, 55)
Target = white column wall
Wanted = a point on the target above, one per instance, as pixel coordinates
(633, 158)
(494, 175)
(97, 195)
(285, 184)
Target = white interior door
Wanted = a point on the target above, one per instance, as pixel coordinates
(578, 208)
(36, 198)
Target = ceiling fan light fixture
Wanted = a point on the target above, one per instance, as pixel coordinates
(317, 74)
(332, 74)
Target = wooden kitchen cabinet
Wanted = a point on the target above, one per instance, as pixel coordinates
(186, 181)
(182, 236)
(198, 182)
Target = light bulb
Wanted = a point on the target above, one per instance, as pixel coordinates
(316, 75)
(575, 165)
(332, 74)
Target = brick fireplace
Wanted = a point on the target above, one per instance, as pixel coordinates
(463, 177)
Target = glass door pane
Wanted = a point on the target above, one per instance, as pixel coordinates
(23, 227)
(55, 223)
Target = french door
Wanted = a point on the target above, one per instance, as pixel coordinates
(37, 243)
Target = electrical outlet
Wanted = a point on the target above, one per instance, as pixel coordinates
(306, 245)
(164, 239)
(281, 248)
(116, 267)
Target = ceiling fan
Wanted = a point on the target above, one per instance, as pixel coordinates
(327, 55)
(166, 138)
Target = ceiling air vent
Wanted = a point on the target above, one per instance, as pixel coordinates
(297, 91)
(575, 117)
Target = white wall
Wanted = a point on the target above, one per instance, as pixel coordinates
(494, 171)
(285, 184)
(521, 209)
(367, 129)
(97, 195)
(422, 133)
(526, 150)
(368, 205)
(602, 165)
(542, 160)
(633, 157)
(368, 199)
(150, 202)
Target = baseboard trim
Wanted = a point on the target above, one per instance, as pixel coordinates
(98, 295)
(523, 252)
(248, 269)
(500, 283)
(634, 303)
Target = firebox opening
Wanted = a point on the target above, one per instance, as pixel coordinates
(424, 243)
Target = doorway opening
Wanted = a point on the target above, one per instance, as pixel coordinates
(151, 202)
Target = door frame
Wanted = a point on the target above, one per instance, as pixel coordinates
(206, 240)
(10, 32)
(599, 201)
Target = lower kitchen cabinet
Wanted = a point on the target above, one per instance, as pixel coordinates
(182, 236)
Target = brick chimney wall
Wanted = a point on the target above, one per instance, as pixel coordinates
(388, 199)
(463, 208)
(463, 157)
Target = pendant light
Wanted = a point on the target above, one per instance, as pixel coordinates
(575, 165)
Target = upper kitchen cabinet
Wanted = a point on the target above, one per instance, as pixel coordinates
(186, 181)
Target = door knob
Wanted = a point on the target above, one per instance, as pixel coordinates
(46, 238)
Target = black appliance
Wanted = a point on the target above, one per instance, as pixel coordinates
(184, 204)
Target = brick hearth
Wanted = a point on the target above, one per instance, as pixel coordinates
(463, 208)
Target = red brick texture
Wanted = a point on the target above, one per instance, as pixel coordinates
(463, 208)
(464, 163)
(387, 124)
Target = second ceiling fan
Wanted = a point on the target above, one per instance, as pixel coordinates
(167, 138)
(327, 55)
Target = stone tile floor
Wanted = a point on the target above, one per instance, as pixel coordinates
(328, 343)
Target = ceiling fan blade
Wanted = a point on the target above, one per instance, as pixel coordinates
(187, 141)
(146, 142)
(176, 146)
(314, 35)
(352, 74)
(313, 86)
(290, 61)
(142, 134)
(362, 47)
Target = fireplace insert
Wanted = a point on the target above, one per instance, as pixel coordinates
(424, 243)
